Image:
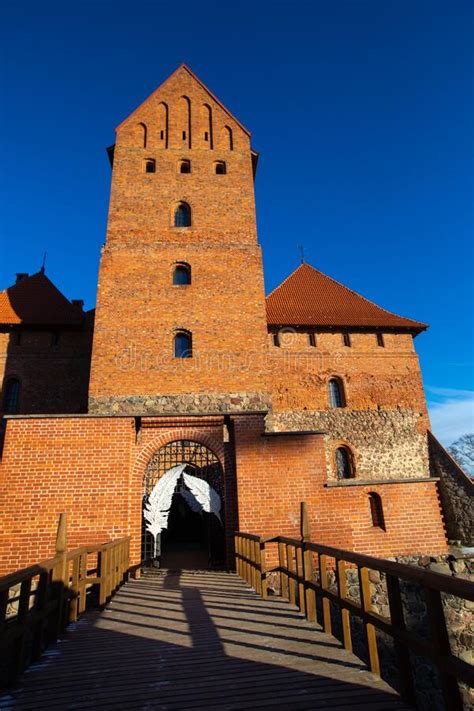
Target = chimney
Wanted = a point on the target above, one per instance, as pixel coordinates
(20, 276)
(78, 303)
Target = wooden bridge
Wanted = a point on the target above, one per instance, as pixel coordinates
(215, 640)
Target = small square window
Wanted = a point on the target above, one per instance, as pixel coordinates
(380, 340)
(276, 339)
(346, 339)
(312, 340)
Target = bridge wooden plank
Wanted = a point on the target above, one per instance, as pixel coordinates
(198, 640)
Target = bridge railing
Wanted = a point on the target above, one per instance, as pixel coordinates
(314, 577)
(38, 602)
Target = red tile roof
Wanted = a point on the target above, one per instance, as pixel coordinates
(34, 300)
(309, 298)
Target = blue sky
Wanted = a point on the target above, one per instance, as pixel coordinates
(362, 112)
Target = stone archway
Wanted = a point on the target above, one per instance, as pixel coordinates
(191, 535)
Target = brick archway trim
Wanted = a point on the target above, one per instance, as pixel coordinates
(194, 435)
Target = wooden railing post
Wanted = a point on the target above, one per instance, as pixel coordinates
(19, 654)
(238, 565)
(282, 563)
(75, 589)
(323, 580)
(300, 574)
(442, 649)
(61, 549)
(370, 633)
(397, 620)
(102, 574)
(41, 599)
(246, 561)
(310, 596)
(60, 574)
(258, 569)
(82, 582)
(291, 580)
(342, 594)
(263, 570)
(255, 571)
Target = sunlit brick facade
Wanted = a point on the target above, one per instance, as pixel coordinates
(311, 394)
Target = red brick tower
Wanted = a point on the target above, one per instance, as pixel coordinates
(181, 271)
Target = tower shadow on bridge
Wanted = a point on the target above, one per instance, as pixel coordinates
(178, 641)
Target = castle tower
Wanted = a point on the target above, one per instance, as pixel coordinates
(180, 322)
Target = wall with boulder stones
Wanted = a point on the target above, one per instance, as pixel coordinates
(385, 443)
(456, 491)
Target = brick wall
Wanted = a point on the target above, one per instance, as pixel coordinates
(93, 468)
(73, 464)
(52, 366)
(276, 473)
(384, 419)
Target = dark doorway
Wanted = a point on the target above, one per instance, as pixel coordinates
(185, 543)
(191, 537)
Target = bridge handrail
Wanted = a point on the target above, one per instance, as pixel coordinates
(37, 602)
(298, 559)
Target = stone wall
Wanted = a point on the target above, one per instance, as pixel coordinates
(385, 443)
(456, 493)
(189, 402)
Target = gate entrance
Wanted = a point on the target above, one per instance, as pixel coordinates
(183, 508)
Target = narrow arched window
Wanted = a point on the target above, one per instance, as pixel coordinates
(150, 165)
(185, 166)
(183, 345)
(11, 396)
(336, 393)
(206, 112)
(344, 466)
(163, 124)
(182, 215)
(182, 274)
(228, 138)
(376, 510)
(221, 168)
(184, 119)
(143, 134)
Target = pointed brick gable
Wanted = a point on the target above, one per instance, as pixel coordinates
(184, 69)
(36, 301)
(310, 298)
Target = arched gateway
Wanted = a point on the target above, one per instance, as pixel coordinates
(183, 507)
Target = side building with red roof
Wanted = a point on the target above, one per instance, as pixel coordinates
(45, 349)
(342, 364)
